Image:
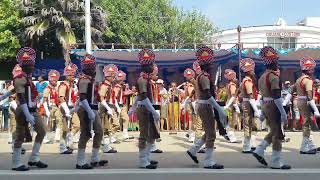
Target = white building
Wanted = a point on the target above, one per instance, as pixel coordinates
(280, 35)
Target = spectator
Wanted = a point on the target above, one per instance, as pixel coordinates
(287, 104)
(41, 85)
(174, 111)
(164, 105)
(5, 106)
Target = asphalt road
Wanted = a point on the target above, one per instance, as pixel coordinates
(174, 163)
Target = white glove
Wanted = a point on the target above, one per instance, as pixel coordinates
(278, 103)
(312, 104)
(7, 94)
(76, 108)
(66, 109)
(29, 117)
(46, 109)
(105, 105)
(236, 107)
(229, 103)
(287, 99)
(146, 102)
(222, 113)
(13, 104)
(194, 106)
(86, 106)
(257, 112)
(184, 103)
(262, 117)
(118, 110)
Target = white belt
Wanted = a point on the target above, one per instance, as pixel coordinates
(139, 103)
(267, 99)
(199, 101)
(302, 97)
(245, 99)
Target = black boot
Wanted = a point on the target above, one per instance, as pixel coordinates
(216, 166)
(157, 151)
(85, 166)
(21, 168)
(260, 159)
(100, 163)
(194, 158)
(38, 164)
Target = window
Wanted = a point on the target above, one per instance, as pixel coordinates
(282, 42)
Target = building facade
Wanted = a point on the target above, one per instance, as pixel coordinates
(305, 34)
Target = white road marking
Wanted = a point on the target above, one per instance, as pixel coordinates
(160, 171)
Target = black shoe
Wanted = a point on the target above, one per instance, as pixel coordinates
(151, 166)
(154, 162)
(247, 152)
(202, 151)
(100, 163)
(38, 164)
(253, 148)
(284, 167)
(21, 168)
(260, 159)
(194, 158)
(312, 151)
(68, 151)
(318, 149)
(216, 166)
(111, 151)
(85, 166)
(158, 140)
(157, 151)
(226, 137)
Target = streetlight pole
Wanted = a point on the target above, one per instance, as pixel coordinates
(88, 27)
(239, 50)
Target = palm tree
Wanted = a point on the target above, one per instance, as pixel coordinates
(62, 18)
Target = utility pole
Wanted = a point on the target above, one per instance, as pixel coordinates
(239, 49)
(88, 27)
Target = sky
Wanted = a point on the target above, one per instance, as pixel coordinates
(228, 14)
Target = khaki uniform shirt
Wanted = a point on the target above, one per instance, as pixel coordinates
(303, 85)
(274, 83)
(247, 87)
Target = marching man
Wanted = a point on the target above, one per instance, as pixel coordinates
(189, 105)
(122, 98)
(50, 99)
(147, 116)
(106, 103)
(249, 106)
(232, 103)
(67, 99)
(204, 106)
(26, 111)
(89, 118)
(272, 108)
(306, 104)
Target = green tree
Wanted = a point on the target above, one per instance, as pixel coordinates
(10, 27)
(62, 20)
(154, 21)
